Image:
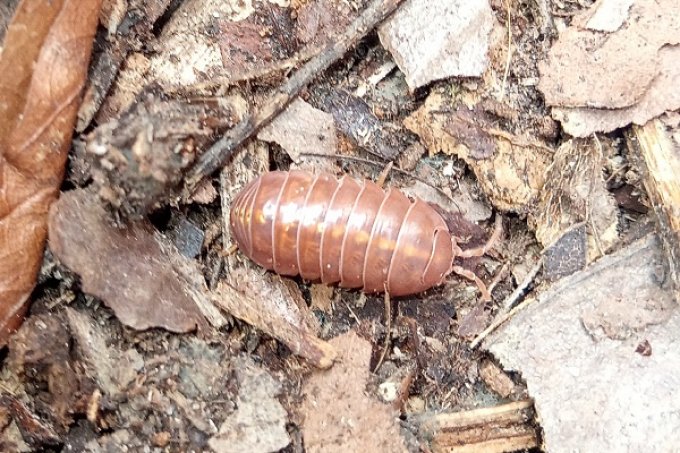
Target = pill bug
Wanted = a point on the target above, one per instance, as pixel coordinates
(343, 231)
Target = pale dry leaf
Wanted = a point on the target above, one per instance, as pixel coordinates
(608, 15)
(44, 66)
(109, 367)
(301, 129)
(660, 97)
(591, 389)
(435, 40)
(339, 415)
(462, 200)
(602, 80)
(259, 422)
(609, 70)
(144, 280)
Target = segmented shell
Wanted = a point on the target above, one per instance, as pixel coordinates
(344, 231)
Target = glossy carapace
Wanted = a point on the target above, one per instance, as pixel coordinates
(342, 231)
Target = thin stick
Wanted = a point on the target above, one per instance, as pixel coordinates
(522, 288)
(507, 310)
(388, 334)
(498, 322)
(218, 154)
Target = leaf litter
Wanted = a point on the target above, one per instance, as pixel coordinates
(476, 144)
(597, 384)
(141, 276)
(259, 422)
(600, 76)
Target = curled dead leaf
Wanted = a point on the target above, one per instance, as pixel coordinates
(43, 65)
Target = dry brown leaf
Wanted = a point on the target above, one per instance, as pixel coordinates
(303, 129)
(511, 177)
(435, 40)
(41, 349)
(319, 20)
(258, 42)
(339, 416)
(591, 389)
(575, 191)
(144, 280)
(43, 65)
(356, 119)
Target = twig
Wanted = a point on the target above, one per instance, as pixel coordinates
(499, 277)
(221, 151)
(388, 333)
(508, 427)
(589, 207)
(403, 393)
(522, 288)
(507, 310)
(354, 315)
(500, 320)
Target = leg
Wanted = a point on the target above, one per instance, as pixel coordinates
(230, 251)
(388, 326)
(479, 251)
(383, 174)
(471, 276)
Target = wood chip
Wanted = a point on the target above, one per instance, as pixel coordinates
(497, 429)
(655, 150)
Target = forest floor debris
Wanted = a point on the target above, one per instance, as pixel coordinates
(615, 65)
(140, 275)
(596, 383)
(149, 328)
(338, 415)
(45, 61)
